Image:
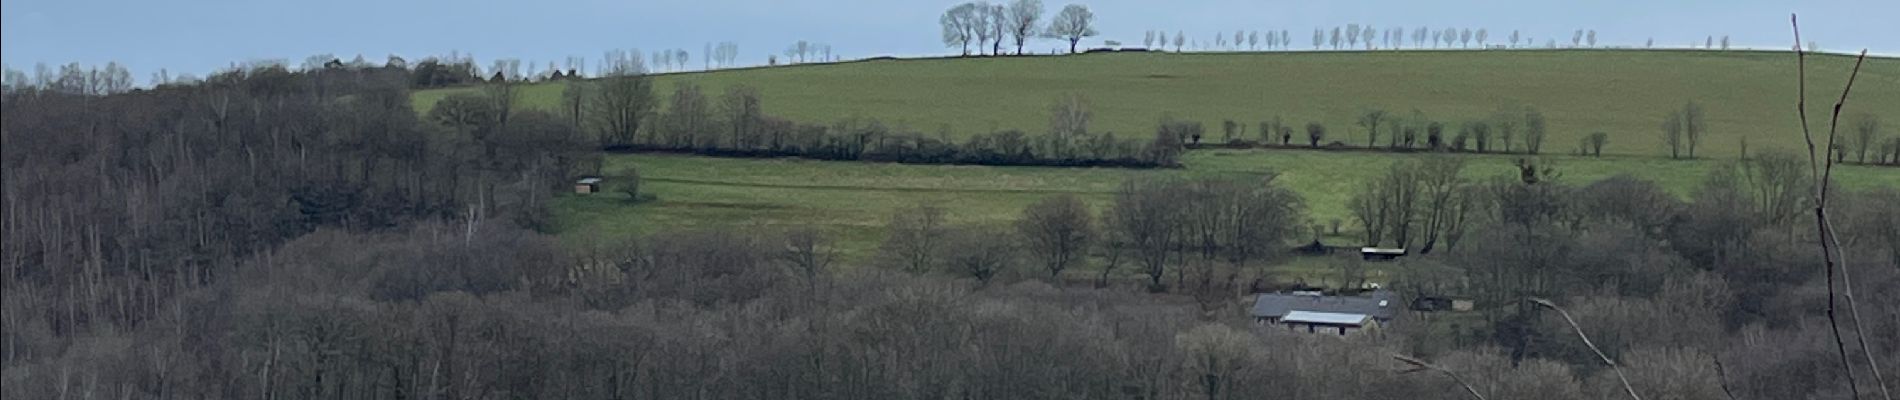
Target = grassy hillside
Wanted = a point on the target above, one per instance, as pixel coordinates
(853, 200)
(1622, 92)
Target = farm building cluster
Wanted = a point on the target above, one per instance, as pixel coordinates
(1314, 312)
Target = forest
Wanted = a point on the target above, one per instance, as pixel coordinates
(281, 233)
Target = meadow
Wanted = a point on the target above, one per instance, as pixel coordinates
(1747, 95)
(854, 200)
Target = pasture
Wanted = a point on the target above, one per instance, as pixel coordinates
(1747, 95)
(854, 200)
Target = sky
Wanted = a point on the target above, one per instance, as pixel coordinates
(201, 36)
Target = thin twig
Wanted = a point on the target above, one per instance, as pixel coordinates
(1593, 346)
(1834, 259)
(1454, 376)
(1721, 375)
(1834, 240)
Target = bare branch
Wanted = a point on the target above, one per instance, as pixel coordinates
(1721, 374)
(1422, 365)
(1835, 260)
(1593, 346)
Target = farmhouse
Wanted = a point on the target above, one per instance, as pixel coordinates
(1325, 322)
(1275, 307)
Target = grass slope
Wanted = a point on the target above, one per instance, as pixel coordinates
(1626, 93)
(853, 200)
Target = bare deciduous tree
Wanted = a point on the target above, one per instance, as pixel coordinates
(1672, 133)
(1596, 141)
(1694, 125)
(622, 98)
(1370, 120)
(979, 252)
(1022, 18)
(1534, 130)
(1866, 128)
(1314, 133)
(914, 237)
(959, 26)
(1068, 122)
(1058, 230)
(689, 119)
(743, 116)
(1144, 216)
(1075, 22)
(808, 252)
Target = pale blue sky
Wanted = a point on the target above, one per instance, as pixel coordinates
(198, 36)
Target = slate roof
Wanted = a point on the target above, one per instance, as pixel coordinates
(1325, 318)
(1378, 304)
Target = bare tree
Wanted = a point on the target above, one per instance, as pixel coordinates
(1368, 36)
(506, 90)
(1672, 133)
(1576, 40)
(1480, 133)
(959, 26)
(914, 237)
(1822, 172)
(1370, 120)
(1058, 230)
(809, 253)
(1596, 141)
(1515, 37)
(1147, 41)
(1314, 133)
(980, 252)
(1144, 216)
(999, 26)
(1592, 38)
(1506, 120)
(1253, 40)
(1482, 35)
(1179, 40)
(1464, 38)
(1352, 35)
(1724, 42)
(1068, 122)
(622, 98)
(989, 27)
(1534, 130)
(575, 94)
(1075, 22)
(1866, 128)
(1441, 185)
(1335, 38)
(1023, 18)
(743, 116)
(689, 119)
(1693, 125)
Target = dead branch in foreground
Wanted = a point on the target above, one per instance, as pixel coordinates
(1422, 365)
(1593, 347)
(1822, 169)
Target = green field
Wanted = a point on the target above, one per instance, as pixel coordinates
(1625, 93)
(853, 200)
